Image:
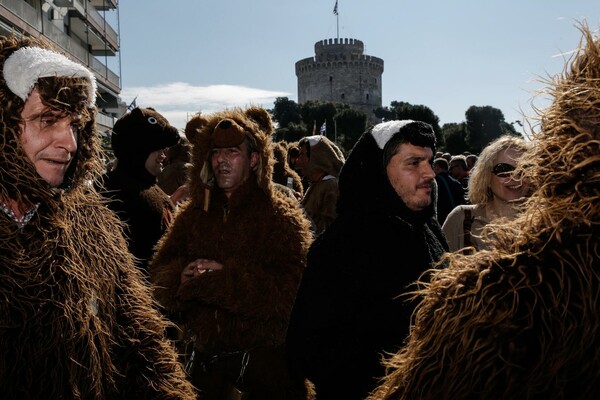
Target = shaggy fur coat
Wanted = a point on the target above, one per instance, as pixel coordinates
(522, 321)
(76, 321)
(261, 237)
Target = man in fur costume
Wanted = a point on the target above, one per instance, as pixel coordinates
(283, 174)
(76, 321)
(350, 310)
(522, 321)
(231, 263)
(139, 141)
(320, 162)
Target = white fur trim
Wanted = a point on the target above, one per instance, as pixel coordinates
(383, 132)
(25, 66)
(312, 140)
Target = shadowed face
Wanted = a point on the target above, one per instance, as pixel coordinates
(49, 139)
(154, 162)
(232, 166)
(410, 174)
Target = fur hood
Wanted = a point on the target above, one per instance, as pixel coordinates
(255, 122)
(363, 181)
(77, 320)
(18, 177)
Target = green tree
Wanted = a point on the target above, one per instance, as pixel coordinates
(455, 138)
(385, 113)
(349, 124)
(484, 124)
(419, 112)
(315, 113)
(292, 133)
(285, 112)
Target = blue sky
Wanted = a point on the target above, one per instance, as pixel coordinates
(185, 56)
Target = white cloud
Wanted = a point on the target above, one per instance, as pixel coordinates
(178, 101)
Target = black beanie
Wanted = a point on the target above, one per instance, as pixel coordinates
(141, 132)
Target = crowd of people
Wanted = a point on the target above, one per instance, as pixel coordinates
(221, 265)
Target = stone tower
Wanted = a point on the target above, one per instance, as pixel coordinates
(340, 72)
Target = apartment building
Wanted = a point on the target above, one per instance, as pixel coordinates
(86, 31)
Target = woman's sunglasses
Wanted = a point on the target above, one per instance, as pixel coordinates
(503, 170)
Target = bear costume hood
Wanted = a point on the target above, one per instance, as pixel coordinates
(228, 128)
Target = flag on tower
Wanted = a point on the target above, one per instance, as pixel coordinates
(335, 12)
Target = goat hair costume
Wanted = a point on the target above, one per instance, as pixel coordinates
(522, 321)
(76, 320)
(261, 238)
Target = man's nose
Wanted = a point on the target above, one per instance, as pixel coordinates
(65, 136)
(429, 172)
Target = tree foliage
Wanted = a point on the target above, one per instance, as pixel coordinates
(286, 112)
(399, 110)
(485, 124)
(455, 138)
(343, 124)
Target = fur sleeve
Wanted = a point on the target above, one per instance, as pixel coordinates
(260, 281)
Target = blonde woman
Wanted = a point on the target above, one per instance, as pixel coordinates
(494, 191)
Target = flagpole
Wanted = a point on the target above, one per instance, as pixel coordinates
(337, 18)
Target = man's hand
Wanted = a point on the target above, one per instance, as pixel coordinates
(199, 267)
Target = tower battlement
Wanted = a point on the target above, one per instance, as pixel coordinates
(341, 72)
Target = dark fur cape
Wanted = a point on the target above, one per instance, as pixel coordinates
(522, 321)
(76, 321)
(260, 236)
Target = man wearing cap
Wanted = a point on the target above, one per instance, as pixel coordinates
(139, 141)
(76, 320)
(231, 263)
(352, 306)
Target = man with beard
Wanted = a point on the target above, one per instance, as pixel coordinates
(522, 320)
(350, 309)
(76, 320)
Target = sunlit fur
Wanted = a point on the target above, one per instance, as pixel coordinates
(523, 320)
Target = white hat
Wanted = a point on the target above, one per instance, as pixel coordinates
(25, 66)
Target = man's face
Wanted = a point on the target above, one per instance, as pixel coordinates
(232, 166)
(154, 162)
(49, 139)
(455, 170)
(410, 174)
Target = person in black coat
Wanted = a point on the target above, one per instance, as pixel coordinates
(139, 140)
(351, 309)
(450, 191)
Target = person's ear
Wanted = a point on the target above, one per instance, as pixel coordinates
(253, 159)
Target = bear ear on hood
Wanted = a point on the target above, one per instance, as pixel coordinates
(261, 117)
(194, 126)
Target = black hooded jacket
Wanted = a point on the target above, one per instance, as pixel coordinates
(350, 310)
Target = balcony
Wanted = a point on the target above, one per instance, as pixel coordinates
(89, 24)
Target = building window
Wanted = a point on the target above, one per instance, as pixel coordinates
(331, 79)
(343, 96)
(367, 96)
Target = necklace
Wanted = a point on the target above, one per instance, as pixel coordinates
(21, 221)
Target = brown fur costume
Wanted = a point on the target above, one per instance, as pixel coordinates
(282, 171)
(523, 321)
(75, 319)
(261, 237)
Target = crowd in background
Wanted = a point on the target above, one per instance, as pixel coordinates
(220, 265)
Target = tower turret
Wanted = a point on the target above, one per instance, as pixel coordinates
(341, 72)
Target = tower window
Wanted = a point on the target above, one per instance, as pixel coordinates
(343, 96)
(331, 79)
(367, 96)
